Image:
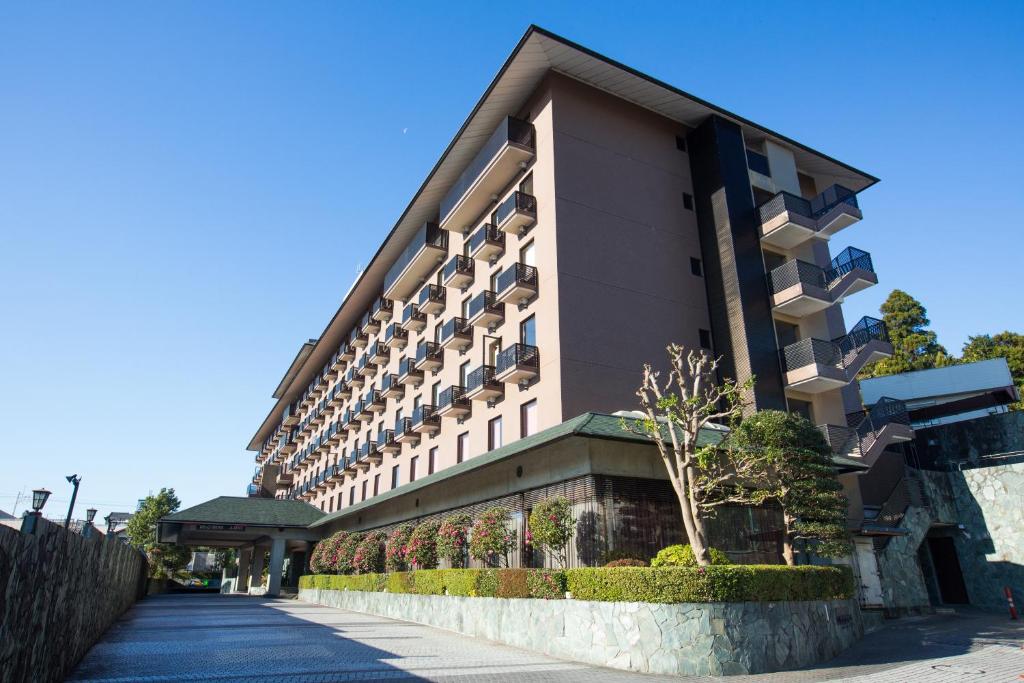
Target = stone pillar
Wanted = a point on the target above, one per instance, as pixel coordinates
(256, 575)
(244, 560)
(276, 566)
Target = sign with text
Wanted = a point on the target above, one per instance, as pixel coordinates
(220, 527)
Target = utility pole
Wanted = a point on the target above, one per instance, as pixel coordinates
(74, 480)
(17, 501)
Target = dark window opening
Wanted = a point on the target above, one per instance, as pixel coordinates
(695, 267)
(688, 201)
(705, 339)
(680, 143)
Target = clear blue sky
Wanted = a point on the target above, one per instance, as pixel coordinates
(163, 170)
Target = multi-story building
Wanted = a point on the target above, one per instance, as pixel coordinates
(584, 216)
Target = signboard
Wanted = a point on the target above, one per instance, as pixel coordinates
(220, 527)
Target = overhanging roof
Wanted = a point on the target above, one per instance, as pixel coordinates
(538, 52)
(267, 512)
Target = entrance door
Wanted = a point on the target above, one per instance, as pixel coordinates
(947, 570)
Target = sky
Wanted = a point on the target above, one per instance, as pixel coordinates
(187, 190)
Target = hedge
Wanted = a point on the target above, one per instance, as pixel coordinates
(717, 583)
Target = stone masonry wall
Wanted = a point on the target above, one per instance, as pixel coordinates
(687, 639)
(59, 592)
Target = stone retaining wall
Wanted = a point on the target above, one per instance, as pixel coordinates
(688, 639)
(59, 592)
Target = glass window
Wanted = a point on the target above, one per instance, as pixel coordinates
(528, 331)
(412, 467)
(494, 433)
(434, 391)
(431, 460)
(394, 477)
(376, 484)
(463, 374)
(465, 308)
(463, 447)
(528, 418)
(493, 286)
(528, 255)
(364, 490)
(527, 184)
(352, 495)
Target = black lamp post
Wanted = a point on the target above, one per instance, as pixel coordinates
(74, 480)
(30, 522)
(89, 529)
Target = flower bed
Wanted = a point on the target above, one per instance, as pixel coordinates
(717, 583)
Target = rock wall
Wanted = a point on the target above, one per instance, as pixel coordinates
(59, 592)
(687, 639)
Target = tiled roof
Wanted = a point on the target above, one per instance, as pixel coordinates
(251, 511)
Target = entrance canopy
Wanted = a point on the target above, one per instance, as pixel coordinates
(230, 521)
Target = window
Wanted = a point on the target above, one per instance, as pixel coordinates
(705, 339)
(339, 499)
(412, 467)
(464, 374)
(465, 307)
(688, 201)
(680, 143)
(528, 255)
(527, 184)
(437, 333)
(493, 349)
(528, 418)
(463, 447)
(394, 477)
(493, 286)
(416, 403)
(330, 505)
(803, 408)
(363, 491)
(321, 506)
(352, 495)
(528, 331)
(431, 460)
(494, 433)
(434, 392)
(376, 484)
(696, 267)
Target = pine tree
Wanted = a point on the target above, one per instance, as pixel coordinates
(165, 559)
(915, 347)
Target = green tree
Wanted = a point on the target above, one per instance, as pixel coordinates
(551, 526)
(787, 461)
(491, 539)
(1008, 345)
(165, 560)
(915, 347)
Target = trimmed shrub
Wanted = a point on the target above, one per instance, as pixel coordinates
(551, 526)
(345, 551)
(717, 583)
(396, 547)
(492, 539)
(682, 556)
(626, 562)
(421, 551)
(369, 555)
(546, 584)
(512, 583)
(428, 581)
(325, 555)
(452, 539)
(400, 582)
(461, 582)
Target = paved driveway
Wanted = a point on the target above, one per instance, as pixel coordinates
(208, 637)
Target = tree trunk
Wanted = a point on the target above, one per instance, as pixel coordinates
(788, 553)
(692, 521)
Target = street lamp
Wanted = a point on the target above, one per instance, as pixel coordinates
(74, 480)
(39, 497)
(89, 529)
(90, 515)
(30, 522)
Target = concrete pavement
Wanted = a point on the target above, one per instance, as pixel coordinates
(222, 638)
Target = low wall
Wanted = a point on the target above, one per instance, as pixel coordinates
(59, 592)
(688, 639)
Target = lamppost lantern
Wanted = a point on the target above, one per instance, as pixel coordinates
(39, 497)
(90, 515)
(74, 480)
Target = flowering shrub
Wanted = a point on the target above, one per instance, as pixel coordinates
(491, 539)
(322, 561)
(341, 562)
(396, 548)
(421, 551)
(551, 527)
(451, 539)
(369, 555)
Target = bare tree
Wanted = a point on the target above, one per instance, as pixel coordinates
(677, 410)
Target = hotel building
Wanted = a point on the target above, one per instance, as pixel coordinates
(584, 216)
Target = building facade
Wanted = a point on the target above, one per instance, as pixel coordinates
(584, 217)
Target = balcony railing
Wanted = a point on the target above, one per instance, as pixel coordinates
(369, 325)
(497, 162)
(366, 367)
(432, 299)
(347, 352)
(404, 432)
(518, 363)
(252, 490)
(374, 401)
(425, 419)
(408, 373)
(386, 442)
(396, 337)
(380, 353)
(517, 213)
(382, 309)
(847, 261)
(814, 365)
(429, 356)
(358, 338)
(482, 385)
(413, 320)
(801, 288)
(453, 402)
(788, 220)
(517, 283)
(425, 251)
(458, 272)
(457, 334)
(392, 387)
(485, 310)
(487, 243)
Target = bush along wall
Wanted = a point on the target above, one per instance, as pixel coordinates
(717, 583)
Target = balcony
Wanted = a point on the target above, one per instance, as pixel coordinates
(332, 368)
(432, 299)
(374, 401)
(799, 288)
(290, 417)
(338, 362)
(487, 243)
(252, 490)
(358, 338)
(425, 420)
(386, 442)
(382, 309)
(336, 434)
(788, 220)
(425, 251)
(392, 387)
(481, 385)
(518, 363)
(380, 353)
(363, 461)
(413, 320)
(505, 154)
(429, 356)
(396, 337)
(458, 272)
(404, 432)
(453, 402)
(354, 379)
(284, 477)
(885, 423)
(350, 419)
(373, 454)
(366, 367)
(335, 474)
(369, 325)
(485, 310)
(517, 284)
(517, 213)
(816, 365)
(347, 353)
(287, 447)
(456, 334)
(408, 373)
(336, 397)
(362, 411)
